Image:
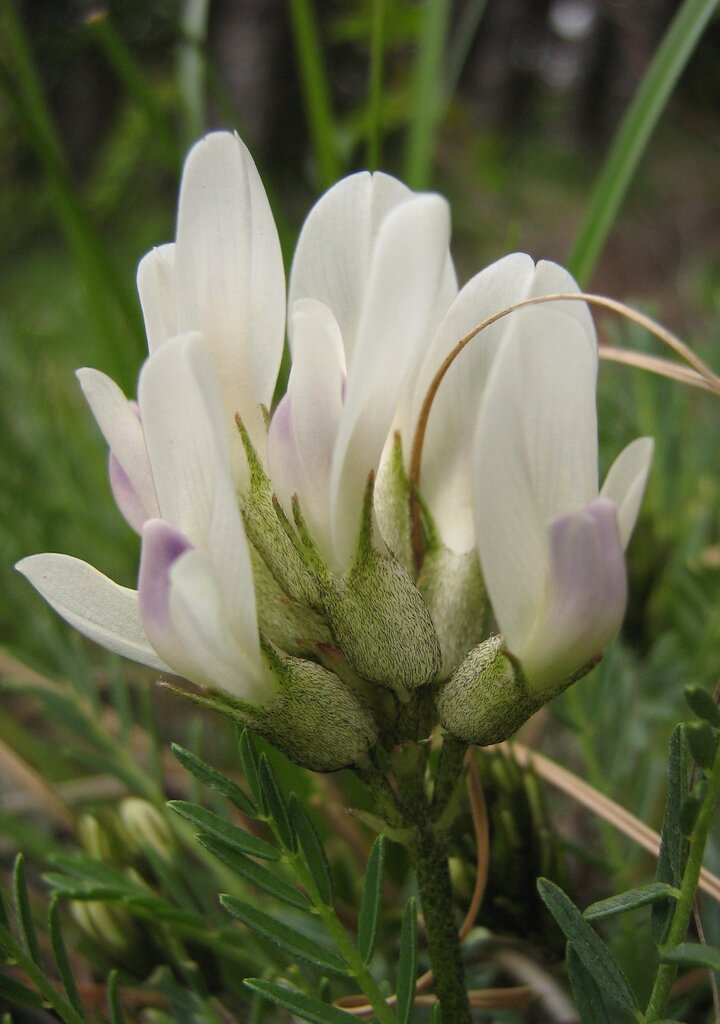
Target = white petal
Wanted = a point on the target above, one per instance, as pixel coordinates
(162, 545)
(181, 409)
(625, 483)
(121, 427)
(182, 412)
(126, 497)
(447, 452)
(535, 457)
(334, 251)
(96, 606)
(302, 435)
(552, 279)
(408, 273)
(202, 618)
(156, 287)
(229, 272)
(586, 595)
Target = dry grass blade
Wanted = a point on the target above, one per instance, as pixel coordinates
(602, 805)
(653, 364)
(31, 782)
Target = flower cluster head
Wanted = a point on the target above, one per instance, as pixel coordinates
(295, 565)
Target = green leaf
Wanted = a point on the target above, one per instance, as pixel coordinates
(637, 126)
(284, 935)
(214, 779)
(630, 900)
(407, 963)
(591, 950)
(249, 760)
(302, 1006)
(594, 1006)
(673, 845)
(277, 810)
(313, 850)
(62, 959)
(233, 836)
(693, 954)
(436, 1011)
(255, 873)
(19, 994)
(371, 900)
(22, 909)
(703, 704)
(116, 1013)
(703, 742)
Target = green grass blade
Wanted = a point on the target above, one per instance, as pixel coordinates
(23, 911)
(277, 809)
(377, 55)
(131, 74)
(316, 90)
(427, 94)
(61, 957)
(638, 124)
(113, 997)
(371, 904)
(107, 290)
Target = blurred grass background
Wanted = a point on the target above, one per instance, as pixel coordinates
(508, 108)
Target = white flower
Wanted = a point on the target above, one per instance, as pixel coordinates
(223, 277)
(371, 277)
(194, 611)
(550, 546)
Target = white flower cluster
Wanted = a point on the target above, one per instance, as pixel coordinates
(277, 566)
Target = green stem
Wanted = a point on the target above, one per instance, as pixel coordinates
(336, 930)
(37, 975)
(634, 134)
(191, 65)
(377, 53)
(684, 906)
(316, 91)
(429, 857)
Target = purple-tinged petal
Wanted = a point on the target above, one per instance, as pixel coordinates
(126, 496)
(585, 597)
(162, 545)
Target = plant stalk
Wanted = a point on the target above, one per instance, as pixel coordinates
(429, 857)
(684, 907)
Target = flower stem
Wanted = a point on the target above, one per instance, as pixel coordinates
(683, 908)
(429, 857)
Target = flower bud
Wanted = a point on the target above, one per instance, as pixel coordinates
(453, 589)
(379, 617)
(94, 838)
(144, 826)
(317, 719)
(487, 699)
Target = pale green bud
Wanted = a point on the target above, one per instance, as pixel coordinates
(379, 617)
(317, 719)
(144, 826)
(487, 699)
(271, 535)
(453, 589)
(94, 838)
(392, 507)
(290, 625)
(112, 929)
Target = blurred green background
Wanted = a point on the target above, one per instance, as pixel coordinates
(508, 108)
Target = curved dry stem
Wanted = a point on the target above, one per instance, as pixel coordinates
(602, 805)
(654, 364)
(662, 333)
